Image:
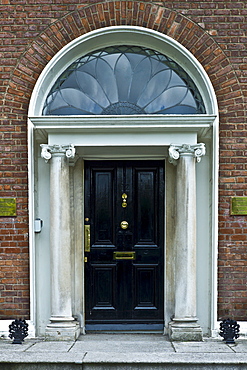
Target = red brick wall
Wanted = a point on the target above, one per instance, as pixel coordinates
(33, 31)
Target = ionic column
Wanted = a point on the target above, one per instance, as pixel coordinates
(184, 326)
(62, 325)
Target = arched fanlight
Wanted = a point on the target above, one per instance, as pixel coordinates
(124, 80)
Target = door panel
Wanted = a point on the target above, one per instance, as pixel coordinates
(144, 283)
(104, 286)
(125, 266)
(145, 203)
(103, 211)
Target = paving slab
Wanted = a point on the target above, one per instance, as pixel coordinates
(202, 347)
(125, 344)
(51, 346)
(123, 337)
(239, 347)
(7, 346)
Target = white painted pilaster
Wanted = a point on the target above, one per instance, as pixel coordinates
(184, 326)
(62, 325)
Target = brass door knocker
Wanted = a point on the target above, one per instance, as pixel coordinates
(124, 202)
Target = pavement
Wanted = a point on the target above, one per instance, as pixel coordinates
(124, 351)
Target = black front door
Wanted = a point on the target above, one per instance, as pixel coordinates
(124, 206)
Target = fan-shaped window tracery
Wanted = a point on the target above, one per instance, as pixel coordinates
(124, 80)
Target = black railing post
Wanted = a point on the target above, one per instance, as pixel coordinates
(229, 330)
(18, 330)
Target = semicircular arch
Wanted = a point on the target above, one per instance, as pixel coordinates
(121, 35)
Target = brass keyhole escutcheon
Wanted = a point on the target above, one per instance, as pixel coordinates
(124, 197)
(124, 225)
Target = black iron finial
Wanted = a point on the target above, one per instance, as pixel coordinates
(229, 330)
(18, 330)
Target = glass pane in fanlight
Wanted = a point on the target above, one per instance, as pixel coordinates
(91, 87)
(78, 99)
(141, 76)
(136, 60)
(68, 111)
(179, 109)
(189, 100)
(157, 65)
(155, 87)
(167, 99)
(107, 80)
(71, 81)
(88, 65)
(123, 73)
(176, 80)
(58, 101)
(111, 59)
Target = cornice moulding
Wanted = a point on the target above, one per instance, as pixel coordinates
(62, 124)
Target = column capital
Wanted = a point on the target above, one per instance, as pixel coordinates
(177, 150)
(48, 150)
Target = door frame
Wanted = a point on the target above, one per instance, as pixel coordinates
(139, 164)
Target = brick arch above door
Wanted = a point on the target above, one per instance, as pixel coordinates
(85, 18)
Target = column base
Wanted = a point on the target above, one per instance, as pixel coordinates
(62, 330)
(185, 331)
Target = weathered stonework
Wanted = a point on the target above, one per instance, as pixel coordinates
(184, 325)
(62, 324)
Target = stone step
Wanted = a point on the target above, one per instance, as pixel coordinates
(122, 351)
(176, 362)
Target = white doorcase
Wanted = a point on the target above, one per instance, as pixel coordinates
(150, 139)
(122, 137)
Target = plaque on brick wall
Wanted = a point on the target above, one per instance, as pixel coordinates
(7, 207)
(238, 206)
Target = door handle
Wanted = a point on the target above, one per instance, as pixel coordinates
(124, 225)
(87, 238)
(124, 201)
